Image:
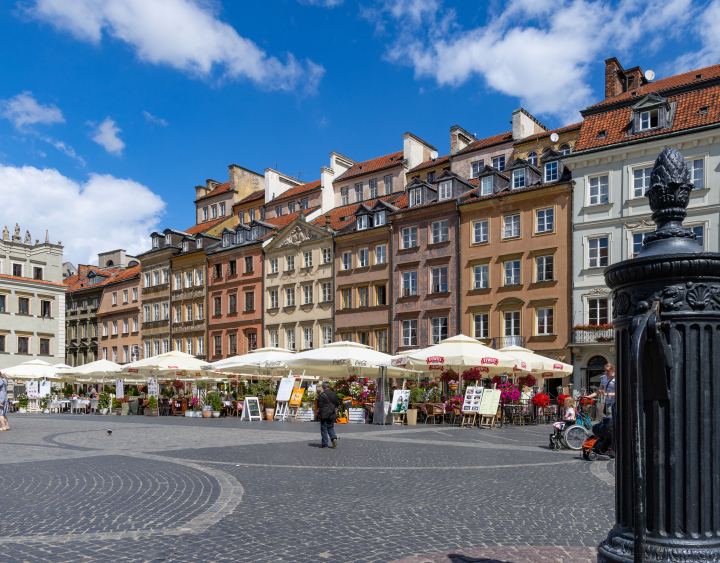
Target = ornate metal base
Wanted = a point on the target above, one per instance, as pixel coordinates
(618, 548)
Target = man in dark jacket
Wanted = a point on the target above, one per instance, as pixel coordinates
(327, 403)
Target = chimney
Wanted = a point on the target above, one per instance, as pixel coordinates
(415, 150)
(614, 78)
(525, 125)
(459, 139)
(244, 181)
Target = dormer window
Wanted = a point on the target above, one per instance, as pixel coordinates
(519, 179)
(648, 119)
(254, 233)
(362, 222)
(551, 171)
(486, 185)
(241, 237)
(186, 246)
(431, 177)
(226, 239)
(291, 207)
(379, 218)
(156, 242)
(445, 190)
(564, 149)
(415, 197)
(168, 239)
(198, 243)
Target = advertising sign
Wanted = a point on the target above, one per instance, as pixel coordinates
(400, 400)
(32, 389)
(296, 397)
(153, 390)
(119, 391)
(472, 400)
(490, 402)
(251, 409)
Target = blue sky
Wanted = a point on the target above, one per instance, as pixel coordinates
(111, 111)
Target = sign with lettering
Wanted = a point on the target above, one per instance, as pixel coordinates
(32, 389)
(472, 400)
(435, 360)
(296, 397)
(153, 390)
(490, 402)
(285, 389)
(251, 409)
(490, 361)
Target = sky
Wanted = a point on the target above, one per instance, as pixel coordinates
(111, 111)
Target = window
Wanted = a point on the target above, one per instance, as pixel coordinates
(278, 211)
(146, 313)
(213, 211)
(511, 226)
(486, 185)
(273, 299)
(232, 269)
(37, 273)
(532, 158)
(439, 231)
(23, 345)
(481, 231)
(147, 350)
(481, 324)
(168, 239)
(545, 220)
(346, 260)
(307, 256)
(148, 283)
(251, 215)
(362, 222)
(188, 279)
(262, 213)
(45, 346)
(564, 149)
(248, 264)
(156, 240)
(232, 303)
(290, 338)
(598, 311)
(218, 345)
(363, 260)
(326, 292)
(409, 333)
(165, 345)
(409, 237)
(648, 119)
(380, 295)
(125, 295)
(381, 340)
(135, 324)
(3, 305)
(439, 279)
(199, 277)
(249, 300)
(45, 308)
(274, 340)
(544, 268)
(17, 270)
(135, 353)
(304, 203)
(481, 276)
(551, 171)
(307, 294)
(23, 306)
(364, 338)
(198, 243)
(431, 177)
(518, 179)
(358, 192)
(185, 246)
(289, 296)
(445, 190)
(498, 163)
(105, 329)
(166, 311)
(409, 281)
(439, 329)
(512, 328)
(697, 175)
(222, 210)
(641, 181)
(344, 198)
(598, 252)
(381, 254)
(477, 167)
(126, 326)
(363, 296)
(347, 298)
(178, 277)
(599, 190)
(204, 216)
(637, 242)
(189, 346)
(544, 323)
(415, 197)
(273, 265)
(307, 337)
(326, 254)
(379, 218)
(699, 231)
(326, 335)
(512, 272)
(156, 277)
(232, 344)
(290, 263)
(388, 185)
(217, 306)
(373, 189)
(291, 207)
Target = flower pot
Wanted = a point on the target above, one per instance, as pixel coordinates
(206, 414)
(104, 411)
(411, 417)
(189, 414)
(151, 412)
(197, 414)
(46, 411)
(453, 387)
(117, 411)
(342, 420)
(269, 413)
(22, 410)
(216, 414)
(124, 408)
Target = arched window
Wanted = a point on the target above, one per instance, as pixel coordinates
(532, 158)
(109, 263)
(564, 149)
(594, 372)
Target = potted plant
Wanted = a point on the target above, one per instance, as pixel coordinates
(104, 402)
(526, 381)
(151, 406)
(342, 416)
(417, 395)
(22, 403)
(269, 407)
(216, 403)
(192, 403)
(117, 405)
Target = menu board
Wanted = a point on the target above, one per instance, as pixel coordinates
(153, 388)
(490, 402)
(32, 389)
(285, 389)
(296, 397)
(251, 409)
(401, 398)
(119, 392)
(473, 399)
(45, 387)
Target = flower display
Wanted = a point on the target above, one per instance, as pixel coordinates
(526, 380)
(509, 393)
(453, 403)
(561, 399)
(473, 374)
(606, 326)
(586, 401)
(449, 375)
(541, 400)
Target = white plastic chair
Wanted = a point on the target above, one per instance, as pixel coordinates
(93, 405)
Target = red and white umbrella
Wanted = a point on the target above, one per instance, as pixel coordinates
(538, 365)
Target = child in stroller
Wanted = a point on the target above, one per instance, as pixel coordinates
(601, 440)
(568, 419)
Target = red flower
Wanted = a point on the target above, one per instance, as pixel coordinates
(561, 399)
(541, 400)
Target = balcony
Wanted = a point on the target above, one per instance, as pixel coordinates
(597, 336)
(503, 341)
(155, 288)
(188, 293)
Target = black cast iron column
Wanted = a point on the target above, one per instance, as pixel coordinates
(666, 315)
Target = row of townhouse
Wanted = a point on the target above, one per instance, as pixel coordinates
(505, 238)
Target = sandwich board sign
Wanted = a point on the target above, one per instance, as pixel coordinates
(490, 402)
(472, 400)
(251, 409)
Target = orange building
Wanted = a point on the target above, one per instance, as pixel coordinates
(118, 318)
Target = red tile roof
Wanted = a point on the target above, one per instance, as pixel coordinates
(550, 132)
(217, 190)
(257, 194)
(342, 216)
(284, 220)
(430, 163)
(472, 197)
(615, 121)
(78, 282)
(126, 274)
(206, 226)
(488, 142)
(666, 83)
(372, 165)
(45, 282)
(296, 191)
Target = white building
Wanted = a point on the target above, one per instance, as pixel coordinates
(618, 143)
(32, 300)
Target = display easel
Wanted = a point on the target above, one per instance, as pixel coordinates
(295, 402)
(399, 418)
(471, 406)
(489, 408)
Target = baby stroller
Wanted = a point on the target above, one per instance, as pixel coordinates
(601, 441)
(573, 434)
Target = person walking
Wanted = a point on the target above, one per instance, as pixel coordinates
(327, 403)
(607, 388)
(4, 403)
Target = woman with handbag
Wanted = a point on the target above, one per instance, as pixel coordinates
(327, 402)
(4, 403)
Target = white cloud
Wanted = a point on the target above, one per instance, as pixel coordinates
(24, 109)
(708, 32)
(150, 118)
(321, 3)
(66, 149)
(539, 52)
(101, 214)
(184, 34)
(106, 135)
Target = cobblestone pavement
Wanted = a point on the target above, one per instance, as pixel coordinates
(177, 489)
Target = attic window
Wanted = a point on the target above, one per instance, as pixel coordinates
(198, 243)
(392, 158)
(362, 222)
(602, 134)
(703, 110)
(634, 94)
(185, 246)
(698, 76)
(648, 119)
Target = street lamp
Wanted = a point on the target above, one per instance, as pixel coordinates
(503, 379)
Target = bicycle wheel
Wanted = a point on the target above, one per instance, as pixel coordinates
(574, 437)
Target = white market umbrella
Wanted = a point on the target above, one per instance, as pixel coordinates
(262, 358)
(340, 359)
(97, 369)
(171, 365)
(537, 364)
(460, 352)
(33, 369)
